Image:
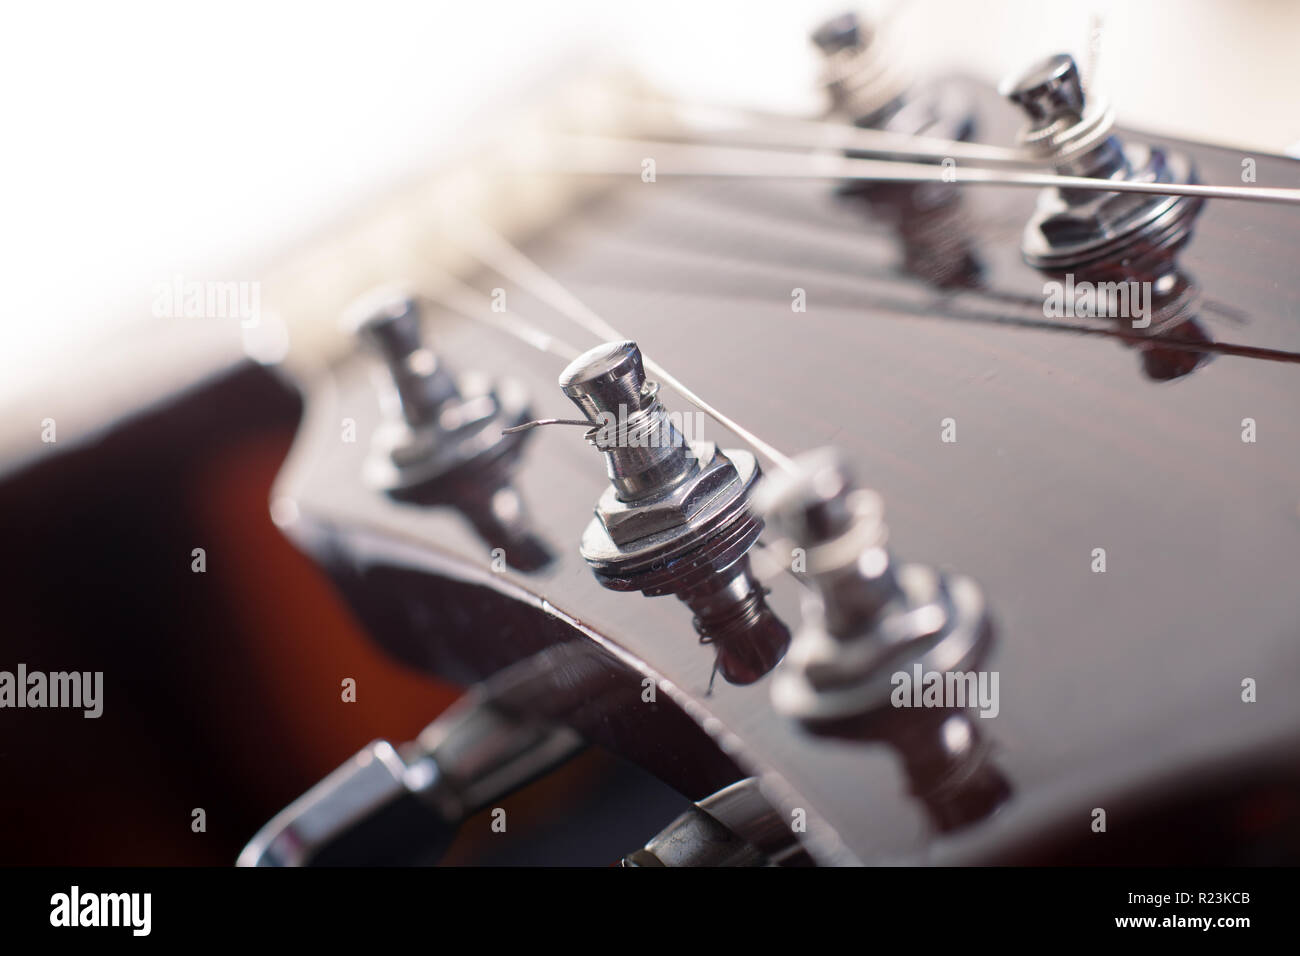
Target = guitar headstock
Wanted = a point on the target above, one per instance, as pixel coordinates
(1077, 406)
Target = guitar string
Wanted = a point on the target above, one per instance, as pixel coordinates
(950, 304)
(456, 296)
(778, 224)
(1229, 313)
(773, 130)
(468, 302)
(498, 254)
(605, 156)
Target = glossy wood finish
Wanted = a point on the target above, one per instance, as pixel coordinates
(1110, 683)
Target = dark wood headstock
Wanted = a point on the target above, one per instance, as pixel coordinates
(1119, 690)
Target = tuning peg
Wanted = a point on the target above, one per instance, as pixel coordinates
(1074, 229)
(1064, 128)
(1049, 89)
(874, 618)
(448, 423)
(842, 32)
(389, 322)
(606, 377)
(675, 518)
(862, 78)
(868, 84)
(455, 442)
(874, 615)
(647, 455)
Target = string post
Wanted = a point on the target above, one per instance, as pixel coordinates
(644, 452)
(675, 518)
(1077, 229)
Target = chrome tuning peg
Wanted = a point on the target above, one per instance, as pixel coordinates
(1074, 228)
(873, 614)
(867, 83)
(447, 441)
(675, 518)
(1129, 241)
(871, 619)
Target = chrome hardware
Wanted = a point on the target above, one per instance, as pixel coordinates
(861, 79)
(449, 440)
(392, 805)
(401, 805)
(676, 518)
(1074, 228)
(865, 87)
(447, 422)
(733, 827)
(870, 619)
(866, 83)
(873, 616)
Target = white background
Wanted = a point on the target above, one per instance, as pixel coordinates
(141, 139)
